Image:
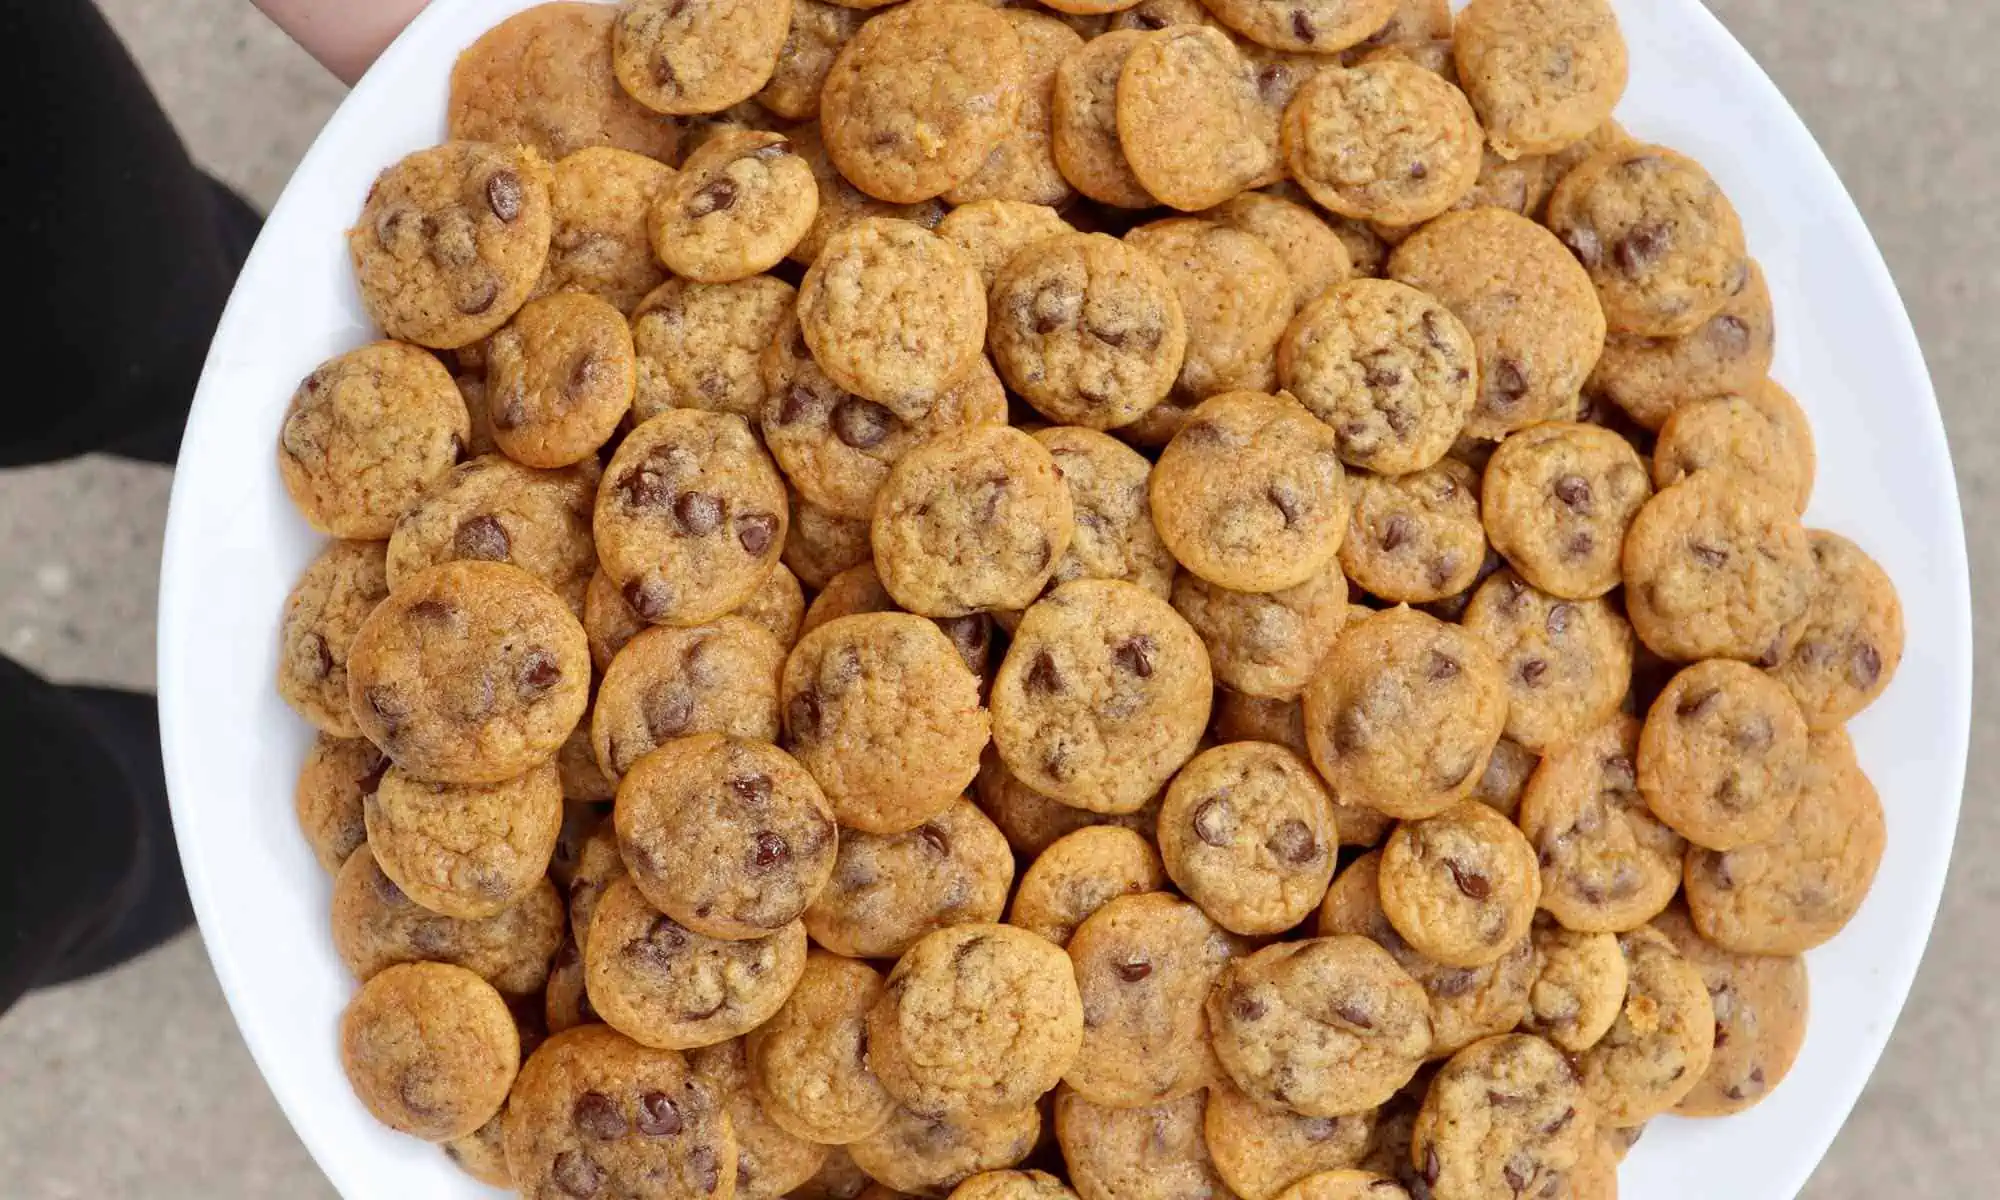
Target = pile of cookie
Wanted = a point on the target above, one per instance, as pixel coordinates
(1324, 692)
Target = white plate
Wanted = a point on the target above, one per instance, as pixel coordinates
(234, 547)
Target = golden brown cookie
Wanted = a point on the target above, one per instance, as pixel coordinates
(1415, 538)
(1542, 73)
(1579, 986)
(559, 379)
(1083, 119)
(1567, 663)
(821, 543)
(1265, 644)
(1189, 119)
(1505, 1117)
(1150, 1153)
(1849, 640)
(337, 776)
(1235, 294)
(1312, 252)
(1022, 166)
(809, 1063)
(687, 59)
(990, 232)
(1760, 1020)
(430, 1050)
(671, 682)
(699, 344)
(1078, 874)
(376, 926)
(888, 890)
(322, 614)
(1659, 1047)
(816, 36)
(738, 206)
(1460, 887)
(1261, 1152)
(1032, 822)
(597, 242)
(1650, 377)
(1759, 432)
(1722, 755)
(929, 1156)
(465, 850)
(1383, 141)
(1248, 833)
(492, 509)
(841, 204)
(770, 1160)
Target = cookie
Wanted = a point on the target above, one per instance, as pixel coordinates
(430, 1050)
(882, 711)
(482, 1153)
(1078, 874)
(1579, 986)
(1414, 538)
(1608, 864)
(683, 61)
(1541, 73)
(1013, 1185)
(1032, 822)
(1312, 252)
(859, 590)
(838, 1178)
(1189, 119)
(1103, 695)
(451, 241)
(598, 244)
(559, 379)
(365, 434)
(1384, 141)
(1722, 755)
(338, 774)
(1731, 352)
(1022, 166)
(1761, 432)
(664, 985)
(1318, 27)
(990, 232)
(1460, 887)
(608, 623)
(1324, 1027)
(1113, 535)
(919, 99)
(1247, 832)
(770, 1161)
(1847, 644)
(1262, 1152)
(1531, 309)
(376, 926)
(929, 1156)
(1558, 500)
(1345, 1185)
(888, 890)
(738, 206)
(1408, 21)
(465, 850)
(1717, 566)
(778, 606)
(595, 1113)
(691, 516)
(1265, 644)
(322, 614)
(821, 544)
(492, 509)
(727, 836)
(841, 204)
(471, 672)
(1660, 240)
(598, 865)
(1505, 1117)
(1235, 295)
(1567, 664)
(808, 1064)
(543, 78)
(1506, 775)
(1387, 368)
(1150, 1153)
(1760, 1020)
(1144, 967)
(818, 32)
(1088, 330)
(1404, 712)
(973, 519)
(1800, 887)
(877, 267)
(1083, 119)
(1659, 1047)
(671, 683)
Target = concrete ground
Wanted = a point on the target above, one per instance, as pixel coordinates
(137, 1085)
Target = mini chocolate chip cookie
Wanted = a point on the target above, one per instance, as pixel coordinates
(430, 1050)
(465, 850)
(1308, 27)
(595, 1113)
(1013, 1185)
(973, 519)
(669, 683)
(729, 837)
(376, 926)
(1541, 73)
(1506, 775)
(859, 590)
(1717, 566)
(1150, 1153)
(1532, 311)
(1608, 864)
(821, 543)
(686, 59)
(1722, 755)
(778, 607)
(927, 1157)
(1847, 644)
(989, 233)
(819, 30)
(770, 1160)
(691, 516)
(1760, 1020)
(809, 1063)
(1262, 1152)
(1660, 240)
(1083, 119)
(336, 778)
(1190, 123)
(1265, 644)
(1730, 353)
(1312, 252)
(471, 672)
(1248, 833)
(882, 711)
(1324, 1027)
(559, 379)
(1761, 432)
(1384, 141)
(1567, 663)
(1022, 166)
(1800, 887)
(598, 200)
(1460, 887)
(838, 1178)
(1558, 500)
(919, 99)
(1087, 329)
(1659, 1047)
(1505, 1117)
(323, 613)
(1387, 368)
(492, 509)
(1415, 538)
(1078, 874)
(976, 1021)
(1579, 986)
(738, 206)
(1403, 713)
(888, 890)
(1103, 695)
(1249, 495)
(1235, 294)
(1114, 536)
(365, 434)
(451, 241)
(841, 204)
(664, 985)
(1032, 822)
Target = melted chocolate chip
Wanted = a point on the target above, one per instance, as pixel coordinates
(658, 1117)
(1211, 821)
(1642, 247)
(1574, 491)
(1293, 842)
(503, 195)
(755, 532)
(698, 513)
(1132, 970)
(770, 850)
(1042, 675)
(717, 195)
(1286, 501)
(862, 424)
(539, 672)
(1474, 885)
(934, 837)
(1397, 530)
(482, 539)
(575, 1175)
(596, 1116)
(1135, 654)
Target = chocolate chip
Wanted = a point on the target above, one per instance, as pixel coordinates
(1454, 983)
(799, 400)
(503, 195)
(479, 297)
(481, 538)
(1354, 1013)
(581, 368)
(318, 658)
(1135, 654)
(596, 1116)
(1642, 247)
(575, 1175)
(751, 789)
(802, 715)
(1580, 543)
(1509, 383)
(1212, 820)
(1286, 501)
(1350, 730)
(1302, 26)
(1707, 555)
(862, 424)
(1574, 491)
(433, 611)
(1432, 1167)
(1382, 377)
(1864, 666)
(1729, 334)
(1132, 970)
(1042, 675)
(935, 838)
(1419, 171)
(1398, 529)
(539, 672)
(649, 598)
(1530, 672)
(658, 1117)
(1293, 842)
(668, 710)
(1439, 666)
(1055, 305)
(1755, 734)
(755, 532)
(771, 849)
(1559, 618)
(717, 195)
(388, 708)
(1246, 1007)
(698, 513)
(1472, 883)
